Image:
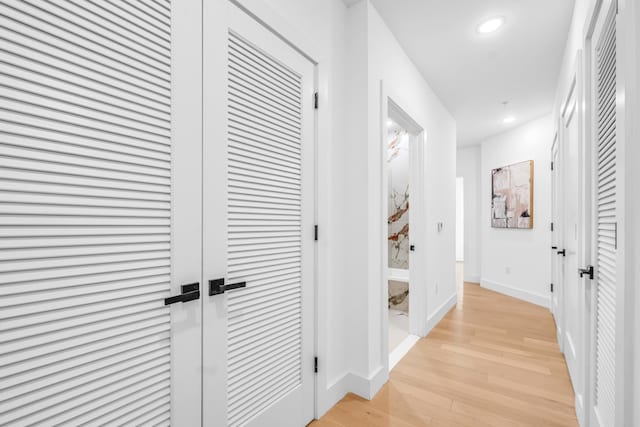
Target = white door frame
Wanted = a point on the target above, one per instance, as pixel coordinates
(186, 207)
(215, 16)
(575, 88)
(556, 237)
(417, 275)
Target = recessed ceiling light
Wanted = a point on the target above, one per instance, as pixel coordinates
(490, 25)
(509, 119)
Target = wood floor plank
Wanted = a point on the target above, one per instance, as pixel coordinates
(492, 361)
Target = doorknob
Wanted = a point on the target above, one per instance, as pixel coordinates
(562, 252)
(190, 292)
(589, 271)
(217, 286)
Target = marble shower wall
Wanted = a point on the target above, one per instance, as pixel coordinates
(398, 222)
(399, 296)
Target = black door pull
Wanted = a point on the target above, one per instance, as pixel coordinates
(412, 248)
(554, 248)
(217, 286)
(190, 292)
(562, 252)
(588, 271)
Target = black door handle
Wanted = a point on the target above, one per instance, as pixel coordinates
(190, 292)
(562, 252)
(589, 271)
(412, 248)
(217, 286)
(554, 247)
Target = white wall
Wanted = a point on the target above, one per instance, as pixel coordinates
(459, 219)
(388, 63)
(359, 51)
(468, 167)
(516, 261)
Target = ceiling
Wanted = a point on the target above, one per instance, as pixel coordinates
(474, 74)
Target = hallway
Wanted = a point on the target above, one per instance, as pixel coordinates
(493, 360)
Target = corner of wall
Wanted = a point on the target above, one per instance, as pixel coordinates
(439, 313)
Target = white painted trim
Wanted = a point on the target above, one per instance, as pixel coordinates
(401, 350)
(533, 298)
(333, 394)
(365, 387)
(398, 275)
(417, 276)
(368, 387)
(439, 314)
(472, 279)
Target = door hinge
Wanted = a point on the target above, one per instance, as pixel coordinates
(551, 165)
(315, 233)
(552, 287)
(315, 100)
(315, 364)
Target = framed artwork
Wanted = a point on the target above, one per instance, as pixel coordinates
(512, 196)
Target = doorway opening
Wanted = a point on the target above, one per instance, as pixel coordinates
(460, 238)
(402, 191)
(398, 240)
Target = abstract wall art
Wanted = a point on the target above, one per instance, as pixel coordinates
(512, 196)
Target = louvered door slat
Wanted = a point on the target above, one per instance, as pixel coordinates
(264, 230)
(605, 60)
(85, 213)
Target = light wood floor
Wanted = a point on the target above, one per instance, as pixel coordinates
(492, 361)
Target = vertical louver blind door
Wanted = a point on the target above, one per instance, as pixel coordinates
(85, 191)
(264, 333)
(606, 224)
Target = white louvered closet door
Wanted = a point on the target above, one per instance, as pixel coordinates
(261, 359)
(605, 213)
(88, 225)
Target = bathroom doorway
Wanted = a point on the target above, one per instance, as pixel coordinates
(398, 240)
(403, 190)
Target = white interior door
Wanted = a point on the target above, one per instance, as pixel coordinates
(258, 222)
(99, 214)
(556, 241)
(572, 292)
(604, 173)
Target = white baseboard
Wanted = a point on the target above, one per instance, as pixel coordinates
(401, 350)
(332, 395)
(472, 279)
(440, 312)
(533, 298)
(351, 383)
(368, 387)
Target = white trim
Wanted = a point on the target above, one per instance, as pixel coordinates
(439, 314)
(401, 350)
(532, 297)
(333, 394)
(398, 275)
(417, 276)
(472, 279)
(365, 387)
(368, 387)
